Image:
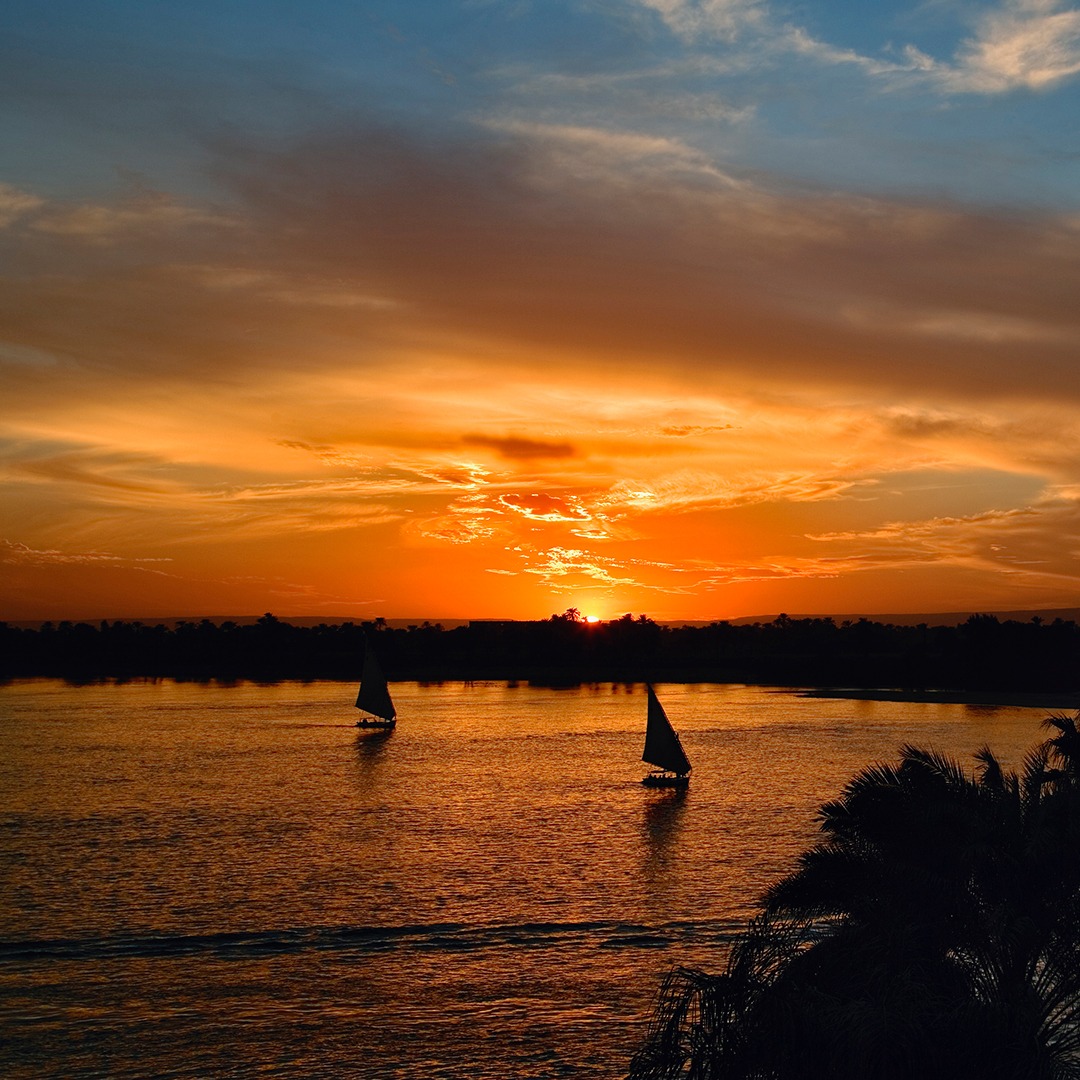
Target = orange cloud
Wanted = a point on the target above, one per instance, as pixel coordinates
(20, 554)
(544, 507)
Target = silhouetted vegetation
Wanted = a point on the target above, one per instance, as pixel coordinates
(933, 932)
(981, 654)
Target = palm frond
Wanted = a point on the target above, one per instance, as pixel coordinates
(990, 774)
(928, 765)
(934, 929)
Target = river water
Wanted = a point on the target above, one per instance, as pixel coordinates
(209, 880)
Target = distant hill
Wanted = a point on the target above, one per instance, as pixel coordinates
(173, 621)
(941, 618)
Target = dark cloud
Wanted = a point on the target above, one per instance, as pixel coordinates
(494, 238)
(356, 246)
(516, 448)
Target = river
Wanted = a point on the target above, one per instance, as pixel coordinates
(233, 881)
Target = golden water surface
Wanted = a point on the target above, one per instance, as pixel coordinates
(208, 880)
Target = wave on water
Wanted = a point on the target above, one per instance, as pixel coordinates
(449, 937)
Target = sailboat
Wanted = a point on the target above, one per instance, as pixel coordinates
(373, 698)
(663, 749)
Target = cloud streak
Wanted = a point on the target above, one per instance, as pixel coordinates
(1016, 44)
(1028, 44)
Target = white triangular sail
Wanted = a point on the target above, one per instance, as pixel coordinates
(374, 695)
(662, 746)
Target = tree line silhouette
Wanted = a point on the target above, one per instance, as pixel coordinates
(933, 932)
(982, 653)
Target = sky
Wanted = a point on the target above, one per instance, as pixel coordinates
(697, 309)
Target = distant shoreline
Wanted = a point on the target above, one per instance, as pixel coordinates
(987, 698)
(984, 662)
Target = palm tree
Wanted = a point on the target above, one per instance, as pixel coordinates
(1064, 748)
(935, 930)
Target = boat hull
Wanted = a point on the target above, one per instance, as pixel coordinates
(662, 780)
(376, 723)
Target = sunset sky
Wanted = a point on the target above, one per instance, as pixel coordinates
(491, 308)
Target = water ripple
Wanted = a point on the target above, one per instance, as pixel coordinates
(449, 937)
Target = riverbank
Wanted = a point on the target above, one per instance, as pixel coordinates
(1063, 702)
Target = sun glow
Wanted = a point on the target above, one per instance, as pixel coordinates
(592, 618)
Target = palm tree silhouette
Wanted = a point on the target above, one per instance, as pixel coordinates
(933, 931)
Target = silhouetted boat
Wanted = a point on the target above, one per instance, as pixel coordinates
(373, 697)
(663, 749)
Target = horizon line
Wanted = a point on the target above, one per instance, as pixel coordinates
(399, 622)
